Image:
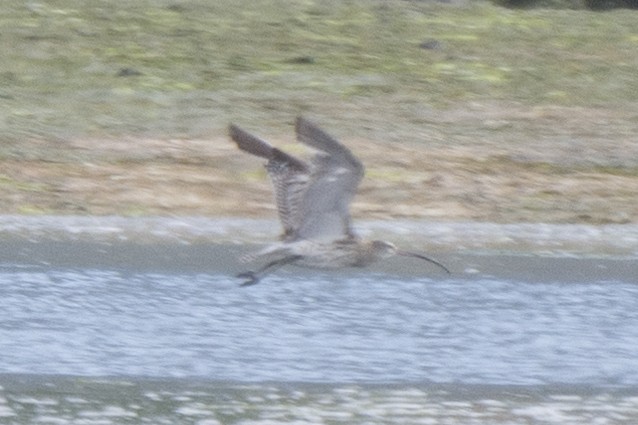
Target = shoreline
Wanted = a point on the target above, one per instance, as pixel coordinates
(549, 239)
(26, 382)
(113, 399)
(472, 251)
(410, 180)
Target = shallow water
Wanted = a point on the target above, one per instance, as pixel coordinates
(71, 400)
(507, 337)
(314, 327)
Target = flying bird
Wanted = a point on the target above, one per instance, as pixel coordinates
(313, 202)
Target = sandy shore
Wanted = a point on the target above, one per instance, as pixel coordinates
(523, 165)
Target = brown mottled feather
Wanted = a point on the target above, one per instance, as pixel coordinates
(289, 176)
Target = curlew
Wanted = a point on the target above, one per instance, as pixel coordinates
(313, 203)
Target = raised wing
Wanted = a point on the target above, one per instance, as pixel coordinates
(289, 176)
(324, 211)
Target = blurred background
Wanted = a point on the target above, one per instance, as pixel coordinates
(498, 137)
(466, 110)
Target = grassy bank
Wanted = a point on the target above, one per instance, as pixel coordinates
(485, 98)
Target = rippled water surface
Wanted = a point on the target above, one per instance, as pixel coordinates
(317, 328)
(162, 317)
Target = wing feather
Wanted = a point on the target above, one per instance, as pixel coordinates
(289, 176)
(313, 202)
(325, 207)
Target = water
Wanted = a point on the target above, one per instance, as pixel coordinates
(317, 328)
(126, 329)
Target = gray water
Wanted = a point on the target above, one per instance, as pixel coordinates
(508, 336)
(313, 327)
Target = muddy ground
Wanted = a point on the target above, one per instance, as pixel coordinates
(497, 163)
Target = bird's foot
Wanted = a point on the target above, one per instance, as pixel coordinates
(251, 278)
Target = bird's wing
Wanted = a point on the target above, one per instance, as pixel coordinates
(324, 212)
(289, 176)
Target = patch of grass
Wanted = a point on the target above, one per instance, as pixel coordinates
(497, 91)
(21, 185)
(27, 209)
(160, 67)
(616, 170)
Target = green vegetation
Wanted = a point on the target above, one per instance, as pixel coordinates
(184, 69)
(503, 114)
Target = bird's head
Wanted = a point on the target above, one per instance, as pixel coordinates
(384, 249)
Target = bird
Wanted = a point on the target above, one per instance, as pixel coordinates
(313, 204)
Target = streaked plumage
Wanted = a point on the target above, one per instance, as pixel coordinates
(313, 202)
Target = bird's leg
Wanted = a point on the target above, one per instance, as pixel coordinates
(253, 278)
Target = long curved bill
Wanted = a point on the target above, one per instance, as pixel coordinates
(422, 257)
